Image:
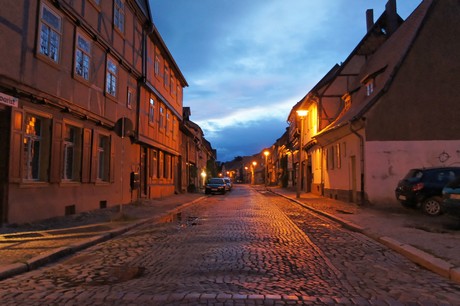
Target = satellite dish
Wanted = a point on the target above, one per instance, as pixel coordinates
(124, 127)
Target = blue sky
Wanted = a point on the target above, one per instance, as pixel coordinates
(248, 62)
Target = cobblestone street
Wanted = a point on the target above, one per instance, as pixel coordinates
(242, 248)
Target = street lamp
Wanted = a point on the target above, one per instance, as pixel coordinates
(302, 114)
(253, 179)
(266, 153)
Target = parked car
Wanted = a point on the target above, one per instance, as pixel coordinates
(451, 198)
(229, 183)
(422, 188)
(216, 185)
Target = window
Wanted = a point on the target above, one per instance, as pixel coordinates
(153, 164)
(82, 57)
(111, 81)
(172, 86)
(167, 125)
(103, 158)
(162, 115)
(152, 111)
(167, 166)
(173, 128)
(330, 158)
(72, 153)
(156, 65)
(338, 161)
(119, 15)
(166, 77)
(50, 33)
(369, 87)
(36, 147)
(161, 165)
(129, 99)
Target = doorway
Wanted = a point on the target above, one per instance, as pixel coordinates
(5, 115)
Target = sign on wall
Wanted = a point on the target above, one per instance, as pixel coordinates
(8, 100)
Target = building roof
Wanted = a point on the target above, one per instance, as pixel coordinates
(383, 64)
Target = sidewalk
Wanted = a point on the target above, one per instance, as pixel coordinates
(425, 240)
(28, 247)
(432, 242)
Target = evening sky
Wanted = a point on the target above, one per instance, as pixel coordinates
(248, 62)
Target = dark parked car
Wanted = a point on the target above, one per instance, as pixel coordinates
(422, 188)
(451, 198)
(216, 185)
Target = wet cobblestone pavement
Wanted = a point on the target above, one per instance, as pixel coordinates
(243, 248)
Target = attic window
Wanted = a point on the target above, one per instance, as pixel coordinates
(369, 87)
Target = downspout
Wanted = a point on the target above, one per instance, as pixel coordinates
(361, 149)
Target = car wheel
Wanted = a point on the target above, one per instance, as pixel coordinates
(432, 206)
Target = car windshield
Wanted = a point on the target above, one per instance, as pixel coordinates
(215, 181)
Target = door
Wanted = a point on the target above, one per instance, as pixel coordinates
(4, 153)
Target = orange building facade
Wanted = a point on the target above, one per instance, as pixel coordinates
(90, 104)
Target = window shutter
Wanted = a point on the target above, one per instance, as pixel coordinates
(17, 136)
(86, 156)
(112, 160)
(93, 174)
(56, 151)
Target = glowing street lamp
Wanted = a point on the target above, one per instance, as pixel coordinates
(254, 164)
(302, 114)
(266, 153)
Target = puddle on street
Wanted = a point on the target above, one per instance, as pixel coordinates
(181, 219)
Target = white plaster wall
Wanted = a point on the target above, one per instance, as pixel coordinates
(386, 162)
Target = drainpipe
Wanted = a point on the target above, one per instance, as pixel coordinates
(361, 149)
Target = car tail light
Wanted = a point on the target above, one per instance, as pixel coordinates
(417, 187)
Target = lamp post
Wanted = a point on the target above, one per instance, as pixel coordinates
(253, 179)
(266, 153)
(302, 114)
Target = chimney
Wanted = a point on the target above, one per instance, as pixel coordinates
(369, 19)
(391, 16)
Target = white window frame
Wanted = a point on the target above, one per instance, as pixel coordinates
(50, 33)
(151, 111)
(111, 77)
(119, 15)
(82, 56)
(72, 153)
(103, 158)
(36, 151)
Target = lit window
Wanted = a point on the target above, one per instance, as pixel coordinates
(119, 15)
(111, 81)
(72, 153)
(82, 57)
(151, 111)
(36, 147)
(103, 158)
(50, 33)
